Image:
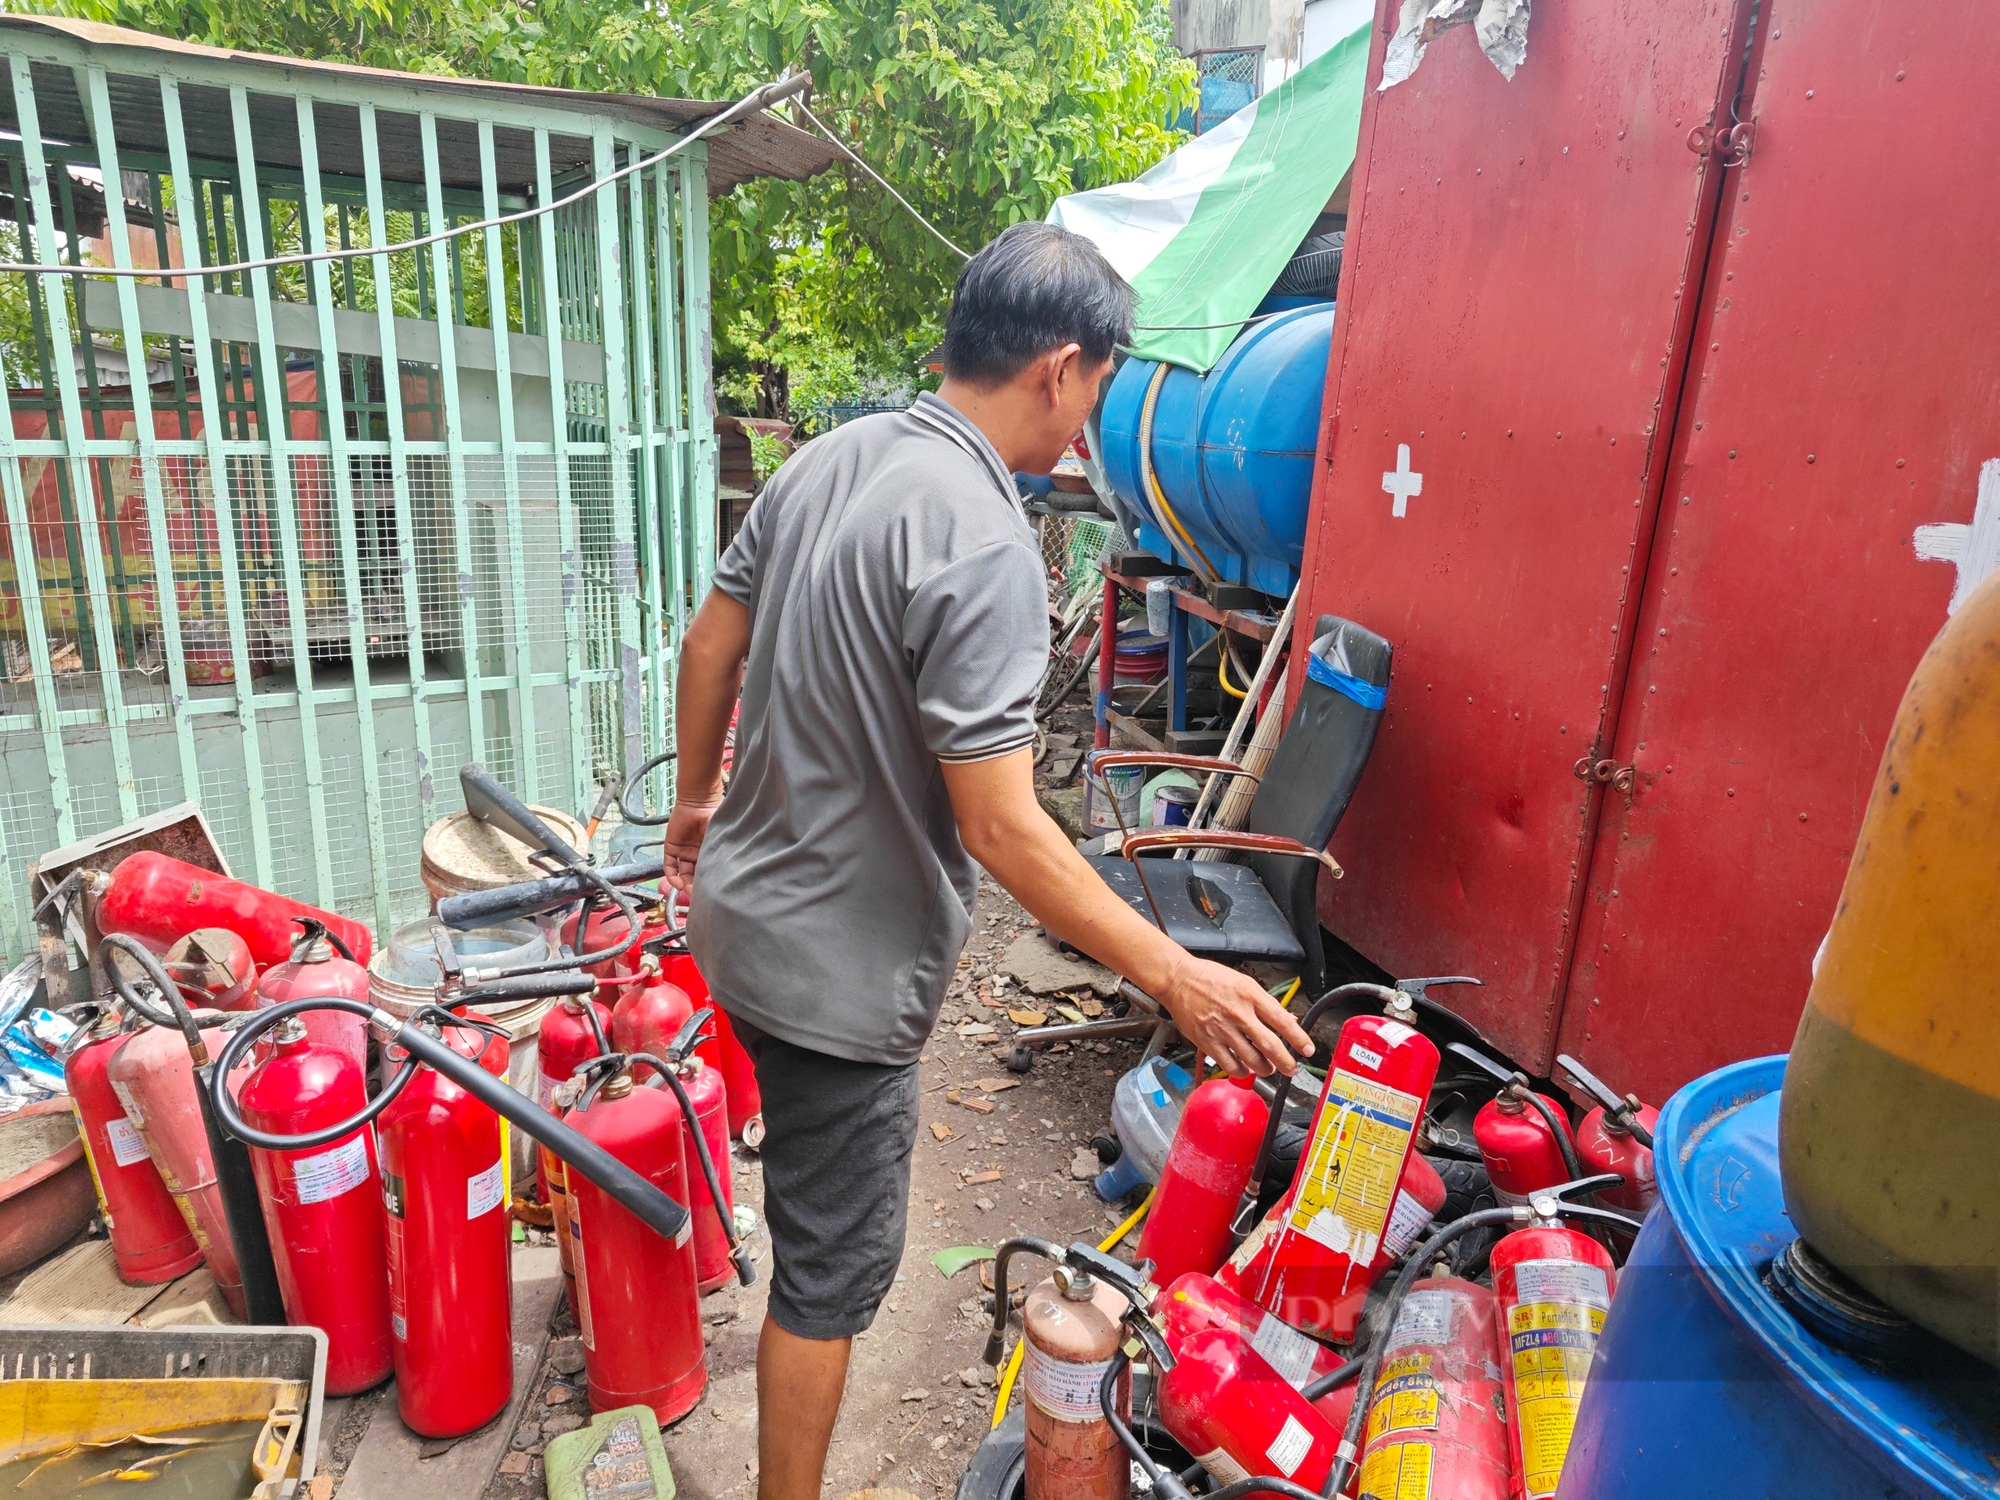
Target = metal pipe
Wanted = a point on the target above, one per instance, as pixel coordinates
(529, 898)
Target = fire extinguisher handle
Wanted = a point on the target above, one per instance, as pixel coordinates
(1484, 1064)
(312, 927)
(490, 802)
(528, 987)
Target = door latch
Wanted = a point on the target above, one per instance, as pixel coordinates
(1608, 772)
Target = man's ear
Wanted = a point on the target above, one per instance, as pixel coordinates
(1062, 367)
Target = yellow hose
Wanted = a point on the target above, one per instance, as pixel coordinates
(1222, 677)
(1150, 480)
(1014, 1360)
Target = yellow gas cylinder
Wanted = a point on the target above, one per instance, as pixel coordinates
(1891, 1111)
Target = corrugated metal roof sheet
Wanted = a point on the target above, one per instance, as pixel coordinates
(760, 146)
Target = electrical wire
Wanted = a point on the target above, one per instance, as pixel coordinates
(853, 156)
(1014, 1360)
(1205, 327)
(758, 98)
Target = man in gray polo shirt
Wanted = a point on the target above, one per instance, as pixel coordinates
(883, 616)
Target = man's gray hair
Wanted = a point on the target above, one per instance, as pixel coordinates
(1035, 287)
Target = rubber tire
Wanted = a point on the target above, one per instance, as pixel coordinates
(998, 1463)
(1019, 1059)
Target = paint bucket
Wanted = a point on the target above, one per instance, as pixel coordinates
(1140, 657)
(462, 854)
(1173, 806)
(1112, 796)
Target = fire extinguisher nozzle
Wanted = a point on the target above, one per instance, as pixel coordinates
(746, 1269)
(996, 1345)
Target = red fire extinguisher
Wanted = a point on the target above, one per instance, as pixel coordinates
(155, 897)
(726, 1054)
(214, 969)
(1553, 1286)
(1437, 1419)
(706, 1113)
(1208, 1165)
(1616, 1137)
(1312, 1260)
(574, 1030)
(150, 1239)
(321, 965)
(1524, 1137)
(1224, 1403)
(604, 927)
(648, 1016)
(323, 1205)
(1195, 1303)
(637, 1305)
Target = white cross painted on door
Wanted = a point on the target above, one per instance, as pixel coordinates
(1401, 482)
(1975, 549)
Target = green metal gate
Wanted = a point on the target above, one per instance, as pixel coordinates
(295, 543)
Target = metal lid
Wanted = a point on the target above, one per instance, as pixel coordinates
(1716, 1151)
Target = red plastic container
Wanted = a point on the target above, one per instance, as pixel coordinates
(150, 1239)
(1238, 1417)
(1553, 1286)
(323, 1206)
(639, 1308)
(1208, 1165)
(1196, 1302)
(161, 899)
(444, 1189)
(1355, 1197)
(1437, 1421)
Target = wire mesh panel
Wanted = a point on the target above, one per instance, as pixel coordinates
(1229, 78)
(296, 541)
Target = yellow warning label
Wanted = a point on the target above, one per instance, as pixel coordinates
(1401, 1471)
(1406, 1397)
(1550, 1345)
(1356, 1156)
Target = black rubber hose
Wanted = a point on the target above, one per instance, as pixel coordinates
(240, 1044)
(1107, 1397)
(592, 959)
(1332, 1380)
(632, 784)
(527, 987)
(235, 1182)
(746, 1270)
(530, 898)
(1559, 1128)
(996, 1341)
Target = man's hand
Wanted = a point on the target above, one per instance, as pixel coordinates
(687, 826)
(1231, 1018)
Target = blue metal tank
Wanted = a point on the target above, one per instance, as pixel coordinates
(1232, 449)
(1706, 1384)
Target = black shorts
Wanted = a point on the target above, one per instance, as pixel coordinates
(836, 1155)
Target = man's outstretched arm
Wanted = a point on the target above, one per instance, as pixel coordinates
(705, 689)
(1226, 1014)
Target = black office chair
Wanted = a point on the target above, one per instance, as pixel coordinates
(1263, 908)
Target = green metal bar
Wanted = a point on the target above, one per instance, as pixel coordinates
(651, 629)
(313, 222)
(672, 397)
(572, 584)
(276, 422)
(454, 437)
(110, 672)
(700, 375)
(618, 414)
(399, 464)
(166, 591)
(510, 472)
(227, 542)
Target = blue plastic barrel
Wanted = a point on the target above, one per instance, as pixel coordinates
(1233, 449)
(1705, 1384)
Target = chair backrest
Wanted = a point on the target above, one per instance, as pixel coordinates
(1313, 772)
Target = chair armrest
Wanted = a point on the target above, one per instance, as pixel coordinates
(1209, 763)
(1136, 844)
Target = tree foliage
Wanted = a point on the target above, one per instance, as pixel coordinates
(982, 112)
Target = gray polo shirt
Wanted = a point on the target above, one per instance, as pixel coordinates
(899, 618)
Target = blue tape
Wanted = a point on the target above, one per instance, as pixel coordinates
(1364, 693)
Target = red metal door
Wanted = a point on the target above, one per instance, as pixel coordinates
(1839, 449)
(1512, 329)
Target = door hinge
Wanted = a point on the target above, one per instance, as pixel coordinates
(1608, 772)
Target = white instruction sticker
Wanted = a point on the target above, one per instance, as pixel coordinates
(484, 1190)
(1394, 1033)
(1222, 1468)
(1285, 1350)
(1407, 1220)
(1425, 1318)
(1364, 1056)
(132, 1111)
(1062, 1389)
(331, 1173)
(1561, 1281)
(1289, 1448)
(128, 1147)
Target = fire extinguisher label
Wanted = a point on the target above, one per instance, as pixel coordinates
(1552, 1332)
(328, 1174)
(1424, 1318)
(1406, 1397)
(484, 1190)
(1397, 1471)
(128, 1147)
(1408, 1219)
(1352, 1165)
(584, 1325)
(125, 1097)
(1063, 1389)
(1221, 1467)
(1289, 1448)
(1286, 1350)
(395, 1205)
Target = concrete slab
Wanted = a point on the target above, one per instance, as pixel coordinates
(393, 1463)
(1042, 969)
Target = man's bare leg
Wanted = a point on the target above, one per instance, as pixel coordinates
(799, 1382)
